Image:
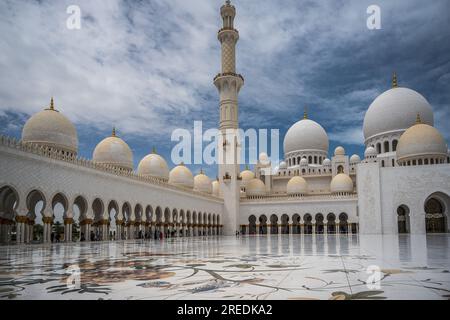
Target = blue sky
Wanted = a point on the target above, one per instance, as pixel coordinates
(147, 66)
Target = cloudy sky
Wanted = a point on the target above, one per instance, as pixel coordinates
(147, 66)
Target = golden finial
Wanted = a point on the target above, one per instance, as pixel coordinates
(182, 163)
(201, 170)
(247, 167)
(52, 105)
(154, 150)
(305, 113)
(394, 80)
(113, 134)
(418, 120)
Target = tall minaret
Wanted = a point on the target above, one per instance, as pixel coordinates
(228, 82)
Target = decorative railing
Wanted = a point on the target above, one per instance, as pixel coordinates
(285, 197)
(227, 29)
(56, 154)
(224, 74)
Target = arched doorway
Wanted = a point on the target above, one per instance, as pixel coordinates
(403, 219)
(435, 214)
(60, 205)
(343, 223)
(252, 224)
(284, 224)
(331, 223)
(273, 224)
(36, 203)
(9, 200)
(80, 207)
(319, 223)
(308, 223)
(263, 224)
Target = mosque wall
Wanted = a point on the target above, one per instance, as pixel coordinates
(26, 171)
(410, 187)
(381, 191)
(369, 198)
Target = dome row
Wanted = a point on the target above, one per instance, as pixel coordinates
(341, 183)
(52, 129)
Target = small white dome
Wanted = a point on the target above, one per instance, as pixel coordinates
(326, 162)
(370, 152)
(283, 165)
(305, 135)
(153, 165)
(396, 109)
(113, 151)
(216, 188)
(181, 176)
(247, 175)
(264, 158)
(355, 159)
(341, 183)
(421, 140)
(51, 128)
(303, 162)
(339, 151)
(255, 187)
(297, 185)
(202, 183)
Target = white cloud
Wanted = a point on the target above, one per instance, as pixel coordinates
(147, 66)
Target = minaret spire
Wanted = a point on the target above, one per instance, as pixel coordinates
(418, 120)
(394, 80)
(228, 82)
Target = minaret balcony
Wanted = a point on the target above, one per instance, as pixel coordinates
(228, 74)
(228, 29)
(225, 33)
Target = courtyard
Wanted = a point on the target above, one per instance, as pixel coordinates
(249, 267)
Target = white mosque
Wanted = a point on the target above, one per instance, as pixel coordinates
(401, 185)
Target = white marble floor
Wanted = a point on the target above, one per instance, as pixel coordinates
(255, 267)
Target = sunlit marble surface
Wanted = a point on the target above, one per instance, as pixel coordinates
(258, 267)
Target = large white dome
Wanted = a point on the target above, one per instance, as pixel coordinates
(115, 152)
(305, 135)
(341, 183)
(247, 175)
(202, 183)
(396, 109)
(50, 128)
(297, 185)
(153, 165)
(255, 187)
(421, 140)
(181, 176)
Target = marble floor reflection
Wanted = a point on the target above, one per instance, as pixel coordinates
(253, 267)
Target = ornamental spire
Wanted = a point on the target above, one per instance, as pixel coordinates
(153, 150)
(52, 105)
(305, 113)
(418, 120)
(394, 80)
(113, 134)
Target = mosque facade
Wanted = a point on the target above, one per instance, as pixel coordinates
(400, 185)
